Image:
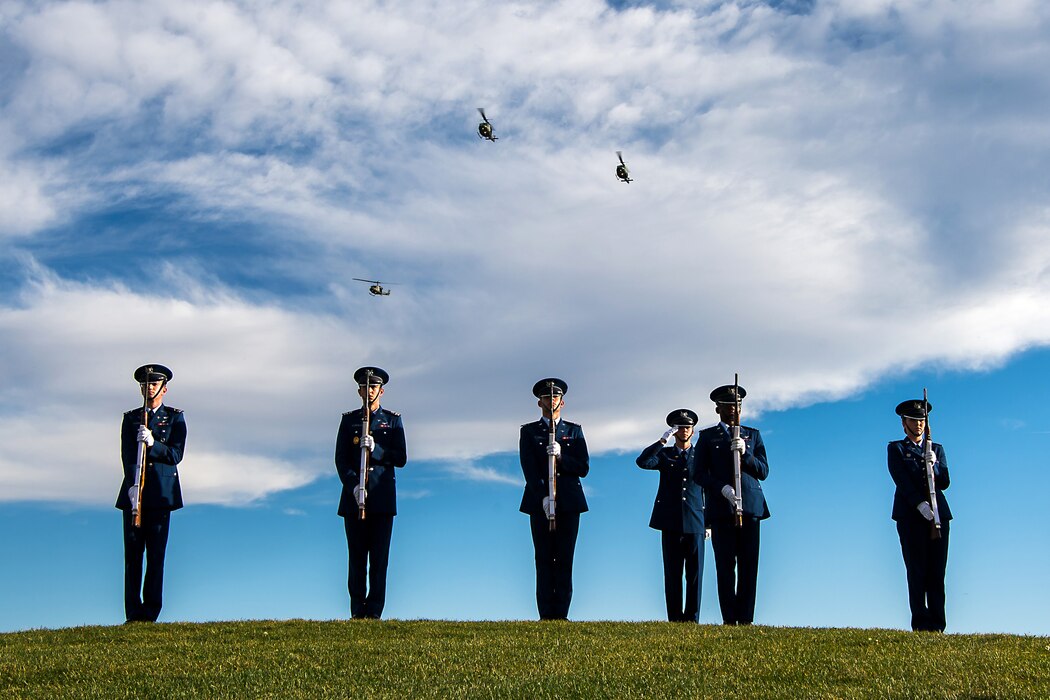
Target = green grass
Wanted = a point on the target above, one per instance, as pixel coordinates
(426, 659)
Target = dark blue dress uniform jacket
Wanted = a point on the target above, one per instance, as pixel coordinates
(908, 469)
(573, 465)
(162, 490)
(389, 452)
(679, 505)
(714, 466)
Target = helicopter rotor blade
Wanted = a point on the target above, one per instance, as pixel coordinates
(358, 279)
(619, 154)
(482, 113)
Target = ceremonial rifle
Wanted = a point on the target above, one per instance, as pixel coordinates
(552, 467)
(738, 498)
(366, 426)
(140, 472)
(927, 456)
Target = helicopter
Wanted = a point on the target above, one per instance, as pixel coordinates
(621, 170)
(375, 288)
(485, 127)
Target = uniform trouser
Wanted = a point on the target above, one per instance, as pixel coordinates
(142, 599)
(683, 550)
(736, 568)
(554, 554)
(925, 560)
(368, 544)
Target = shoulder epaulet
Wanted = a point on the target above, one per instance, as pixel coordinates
(174, 410)
(134, 410)
(393, 413)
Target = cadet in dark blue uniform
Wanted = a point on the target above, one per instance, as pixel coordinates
(555, 545)
(164, 438)
(679, 514)
(735, 548)
(925, 554)
(368, 537)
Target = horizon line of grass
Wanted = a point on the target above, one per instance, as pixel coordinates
(515, 659)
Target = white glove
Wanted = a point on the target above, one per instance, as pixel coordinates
(554, 449)
(359, 496)
(133, 494)
(729, 493)
(926, 511)
(668, 434)
(368, 442)
(930, 459)
(707, 534)
(738, 445)
(548, 507)
(145, 436)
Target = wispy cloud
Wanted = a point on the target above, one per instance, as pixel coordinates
(413, 494)
(479, 472)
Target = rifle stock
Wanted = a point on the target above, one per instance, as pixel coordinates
(140, 482)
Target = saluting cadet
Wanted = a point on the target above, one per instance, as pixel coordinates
(555, 523)
(678, 514)
(925, 549)
(368, 513)
(163, 440)
(735, 545)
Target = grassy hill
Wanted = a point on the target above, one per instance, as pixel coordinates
(426, 659)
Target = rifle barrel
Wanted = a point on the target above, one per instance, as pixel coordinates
(931, 479)
(738, 498)
(552, 464)
(142, 457)
(366, 426)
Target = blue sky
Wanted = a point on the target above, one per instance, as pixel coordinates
(842, 201)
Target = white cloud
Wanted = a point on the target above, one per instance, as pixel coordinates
(237, 478)
(256, 383)
(819, 199)
(62, 453)
(24, 206)
(468, 469)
